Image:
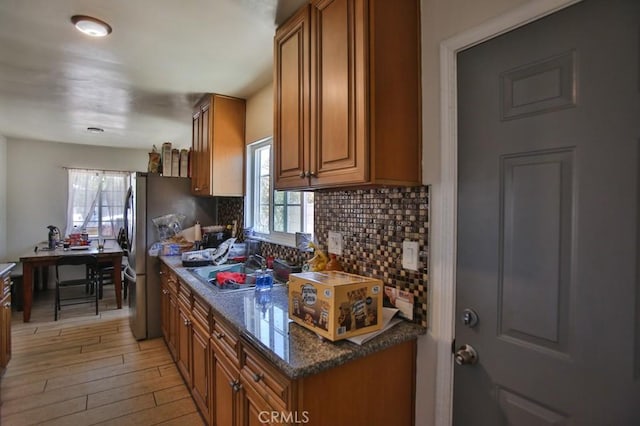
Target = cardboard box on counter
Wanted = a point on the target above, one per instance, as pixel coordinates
(335, 305)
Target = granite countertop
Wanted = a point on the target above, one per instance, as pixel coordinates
(295, 350)
(5, 268)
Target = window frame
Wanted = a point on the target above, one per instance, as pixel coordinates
(251, 201)
(100, 205)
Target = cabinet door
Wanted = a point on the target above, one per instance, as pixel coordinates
(291, 126)
(200, 368)
(204, 166)
(225, 390)
(339, 120)
(255, 410)
(5, 331)
(200, 161)
(196, 146)
(164, 311)
(227, 146)
(173, 319)
(184, 345)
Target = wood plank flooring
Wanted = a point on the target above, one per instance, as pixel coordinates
(87, 369)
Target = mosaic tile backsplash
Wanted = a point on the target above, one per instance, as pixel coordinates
(373, 223)
(230, 209)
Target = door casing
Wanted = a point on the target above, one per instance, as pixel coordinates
(445, 192)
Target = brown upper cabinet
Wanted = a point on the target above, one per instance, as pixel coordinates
(348, 96)
(218, 146)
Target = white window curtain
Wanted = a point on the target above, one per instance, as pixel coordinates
(96, 201)
(84, 186)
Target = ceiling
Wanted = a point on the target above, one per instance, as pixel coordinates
(139, 83)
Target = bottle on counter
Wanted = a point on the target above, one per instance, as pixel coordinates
(197, 235)
(264, 278)
(333, 264)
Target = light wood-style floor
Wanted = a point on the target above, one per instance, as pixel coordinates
(86, 370)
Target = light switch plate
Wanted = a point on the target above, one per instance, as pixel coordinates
(335, 243)
(410, 252)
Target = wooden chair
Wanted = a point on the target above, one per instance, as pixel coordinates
(105, 275)
(67, 266)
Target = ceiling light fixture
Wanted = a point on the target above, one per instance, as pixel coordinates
(91, 26)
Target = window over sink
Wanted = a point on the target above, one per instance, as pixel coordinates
(275, 216)
(96, 202)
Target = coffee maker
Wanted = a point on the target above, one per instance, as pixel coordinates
(53, 237)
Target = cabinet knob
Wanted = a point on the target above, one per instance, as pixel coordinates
(196, 189)
(7, 305)
(303, 175)
(257, 377)
(218, 335)
(311, 174)
(235, 385)
(187, 322)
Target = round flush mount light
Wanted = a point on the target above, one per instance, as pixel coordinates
(91, 26)
(95, 130)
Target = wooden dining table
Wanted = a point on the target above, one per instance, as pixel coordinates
(41, 256)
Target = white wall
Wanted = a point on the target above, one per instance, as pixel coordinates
(260, 115)
(3, 197)
(36, 194)
(442, 19)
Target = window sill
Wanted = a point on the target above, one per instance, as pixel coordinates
(287, 240)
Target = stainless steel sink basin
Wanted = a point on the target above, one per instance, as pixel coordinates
(208, 275)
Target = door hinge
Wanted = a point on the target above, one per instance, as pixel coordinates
(453, 346)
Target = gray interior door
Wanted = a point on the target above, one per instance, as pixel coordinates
(547, 250)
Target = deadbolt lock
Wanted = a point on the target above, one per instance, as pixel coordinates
(470, 318)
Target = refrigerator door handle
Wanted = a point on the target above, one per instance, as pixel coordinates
(127, 274)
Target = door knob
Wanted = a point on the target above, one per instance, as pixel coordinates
(466, 355)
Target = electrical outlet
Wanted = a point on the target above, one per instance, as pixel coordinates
(410, 254)
(335, 243)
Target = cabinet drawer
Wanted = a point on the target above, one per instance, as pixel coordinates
(258, 373)
(169, 278)
(164, 272)
(184, 295)
(226, 341)
(201, 314)
(6, 285)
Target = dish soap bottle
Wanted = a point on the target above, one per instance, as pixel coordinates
(264, 279)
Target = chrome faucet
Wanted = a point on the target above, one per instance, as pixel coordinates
(255, 261)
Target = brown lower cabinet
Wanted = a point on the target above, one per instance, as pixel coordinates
(226, 396)
(185, 341)
(5, 321)
(232, 383)
(169, 308)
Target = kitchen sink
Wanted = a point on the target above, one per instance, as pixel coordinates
(208, 274)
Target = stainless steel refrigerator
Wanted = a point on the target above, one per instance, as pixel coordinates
(151, 196)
